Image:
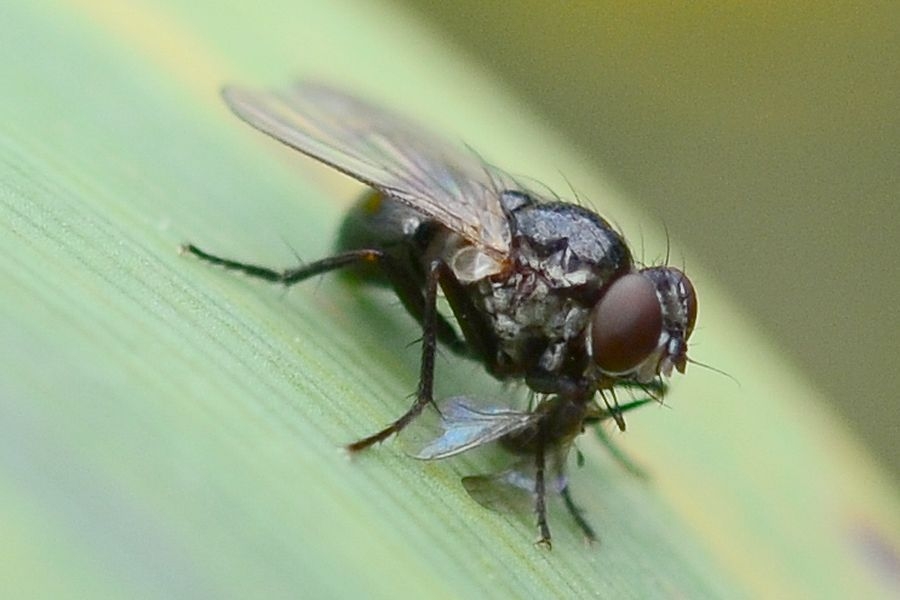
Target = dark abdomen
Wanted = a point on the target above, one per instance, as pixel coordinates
(380, 222)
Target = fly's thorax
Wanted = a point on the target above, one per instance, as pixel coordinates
(539, 305)
(570, 245)
(533, 322)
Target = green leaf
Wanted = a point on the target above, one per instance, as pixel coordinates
(169, 429)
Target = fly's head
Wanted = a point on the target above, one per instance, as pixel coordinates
(640, 326)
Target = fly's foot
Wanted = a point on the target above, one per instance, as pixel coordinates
(544, 543)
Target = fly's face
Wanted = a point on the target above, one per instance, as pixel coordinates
(640, 327)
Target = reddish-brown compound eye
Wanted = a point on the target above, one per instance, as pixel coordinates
(626, 324)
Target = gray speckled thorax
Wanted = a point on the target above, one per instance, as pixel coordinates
(562, 257)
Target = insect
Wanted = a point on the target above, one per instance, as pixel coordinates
(543, 291)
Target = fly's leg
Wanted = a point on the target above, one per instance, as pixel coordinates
(596, 418)
(540, 502)
(656, 390)
(424, 393)
(405, 285)
(289, 276)
(585, 527)
(422, 307)
(620, 457)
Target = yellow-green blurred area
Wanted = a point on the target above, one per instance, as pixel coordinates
(765, 136)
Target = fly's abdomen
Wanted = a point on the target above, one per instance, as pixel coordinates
(379, 222)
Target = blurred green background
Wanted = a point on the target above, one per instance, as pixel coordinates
(765, 138)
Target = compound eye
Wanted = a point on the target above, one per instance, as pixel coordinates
(626, 324)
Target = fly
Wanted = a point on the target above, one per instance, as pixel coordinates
(543, 291)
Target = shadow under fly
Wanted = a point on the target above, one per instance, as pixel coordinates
(543, 291)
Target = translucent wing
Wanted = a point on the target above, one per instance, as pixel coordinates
(387, 152)
(513, 490)
(464, 427)
(504, 492)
